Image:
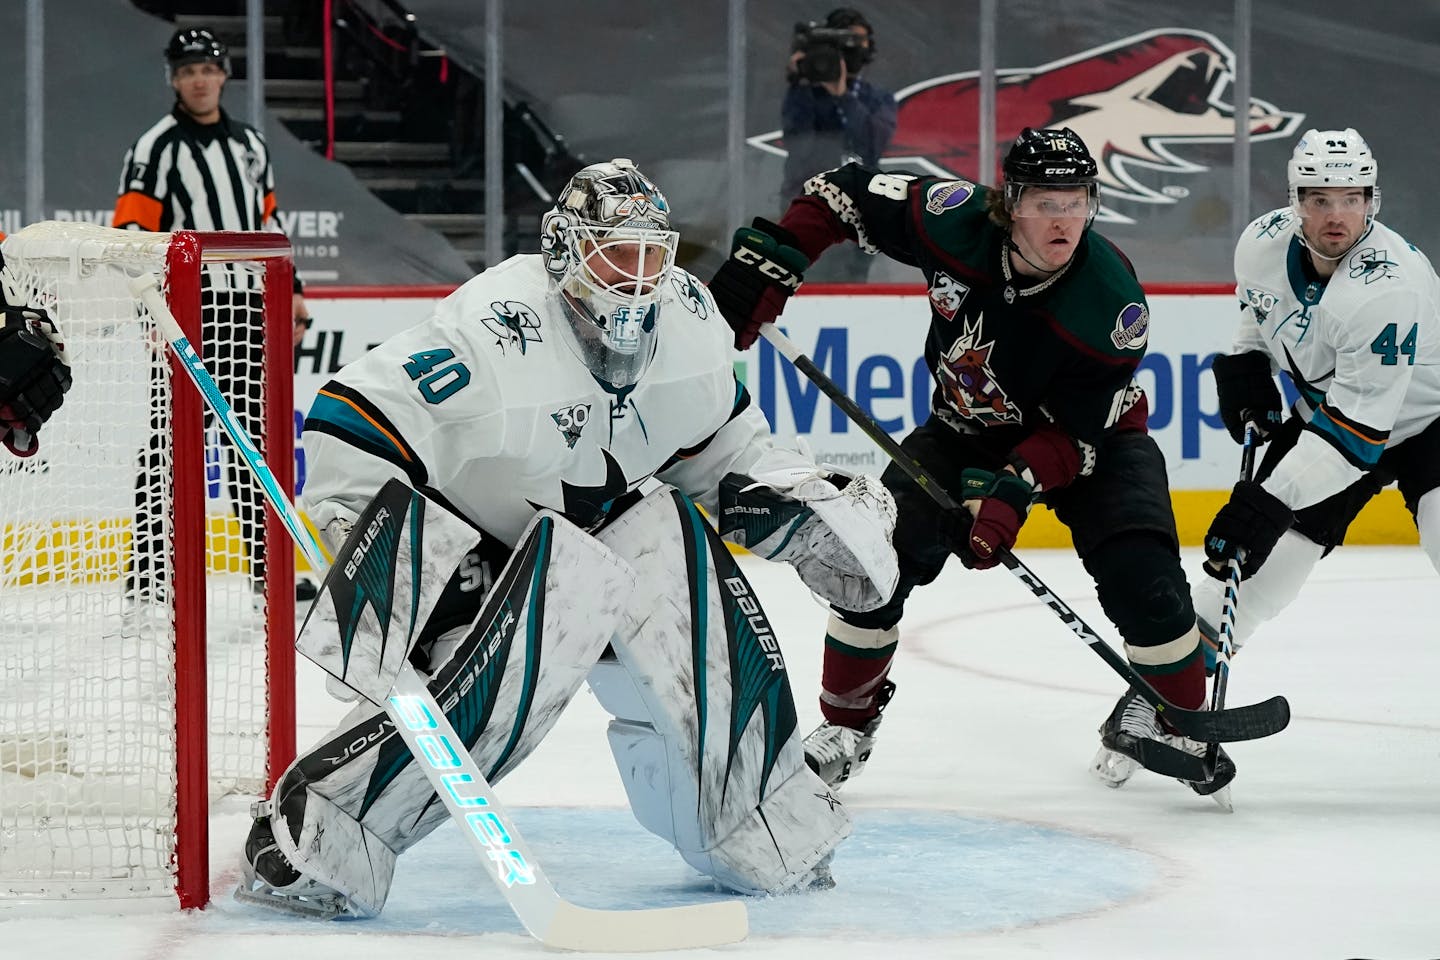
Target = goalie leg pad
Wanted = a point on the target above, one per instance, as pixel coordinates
(345, 810)
(705, 735)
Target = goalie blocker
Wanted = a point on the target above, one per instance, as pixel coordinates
(705, 735)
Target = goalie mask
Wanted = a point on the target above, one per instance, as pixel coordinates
(609, 249)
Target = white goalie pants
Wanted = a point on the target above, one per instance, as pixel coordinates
(704, 735)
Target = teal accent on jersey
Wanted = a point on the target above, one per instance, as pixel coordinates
(1307, 291)
(344, 414)
(1360, 451)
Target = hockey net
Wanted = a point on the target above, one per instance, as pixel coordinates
(146, 595)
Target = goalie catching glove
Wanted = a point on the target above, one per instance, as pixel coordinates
(833, 529)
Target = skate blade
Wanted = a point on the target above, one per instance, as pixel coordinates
(1222, 797)
(311, 908)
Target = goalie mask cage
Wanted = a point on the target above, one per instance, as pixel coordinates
(146, 641)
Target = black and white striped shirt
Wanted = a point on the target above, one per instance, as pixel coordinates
(184, 175)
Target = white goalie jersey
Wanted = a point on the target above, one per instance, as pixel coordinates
(487, 405)
(1363, 348)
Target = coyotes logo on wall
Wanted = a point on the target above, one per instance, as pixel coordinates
(1133, 102)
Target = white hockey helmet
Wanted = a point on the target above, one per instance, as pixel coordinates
(1333, 158)
(609, 250)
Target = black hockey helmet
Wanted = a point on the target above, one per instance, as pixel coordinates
(195, 45)
(1050, 157)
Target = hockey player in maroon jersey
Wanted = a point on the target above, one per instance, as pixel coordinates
(1037, 327)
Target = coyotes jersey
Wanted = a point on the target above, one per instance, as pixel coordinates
(487, 408)
(1362, 347)
(1007, 353)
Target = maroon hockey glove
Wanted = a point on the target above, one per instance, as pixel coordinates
(1248, 526)
(1002, 502)
(33, 378)
(1246, 388)
(764, 268)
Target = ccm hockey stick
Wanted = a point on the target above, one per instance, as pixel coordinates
(1211, 726)
(441, 753)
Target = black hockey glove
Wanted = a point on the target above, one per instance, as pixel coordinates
(33, 378)
(765, 267)
(1247, 392)
(1249, 526)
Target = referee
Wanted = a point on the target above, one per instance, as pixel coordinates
(201, 169)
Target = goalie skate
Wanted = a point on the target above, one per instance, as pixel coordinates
(270, 881)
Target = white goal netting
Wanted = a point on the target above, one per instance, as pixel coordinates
(89, 546)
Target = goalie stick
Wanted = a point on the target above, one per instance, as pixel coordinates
(440, 752)
(1211, 726)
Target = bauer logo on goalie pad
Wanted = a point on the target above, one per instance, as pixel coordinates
(755, 617)
(371, 532)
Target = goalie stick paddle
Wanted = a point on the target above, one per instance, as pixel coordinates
(440, 752)
(1211, 726)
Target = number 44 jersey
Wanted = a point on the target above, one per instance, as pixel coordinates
(1363, 347)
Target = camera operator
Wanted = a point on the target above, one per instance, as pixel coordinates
(831, 115)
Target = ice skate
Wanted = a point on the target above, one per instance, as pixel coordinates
(1124, 737)
(836, 752)
(270, 881)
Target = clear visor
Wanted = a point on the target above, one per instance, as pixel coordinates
(1319, 202)
(1027, 201)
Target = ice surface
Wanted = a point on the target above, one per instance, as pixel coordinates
(979, 831)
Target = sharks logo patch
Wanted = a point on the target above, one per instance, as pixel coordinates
(514, 324)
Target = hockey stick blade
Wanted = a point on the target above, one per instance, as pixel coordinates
(451, 770)
(635, 931)
(1168, 761)
(1215, 726)
(1250, 722)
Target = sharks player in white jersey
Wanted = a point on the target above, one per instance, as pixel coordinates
(1348, 308)
(564, 381)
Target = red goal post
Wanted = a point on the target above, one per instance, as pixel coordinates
(146, 640)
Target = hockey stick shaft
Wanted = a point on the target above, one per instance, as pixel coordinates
(440, 752)
(1231, 602)
(1244, 723)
